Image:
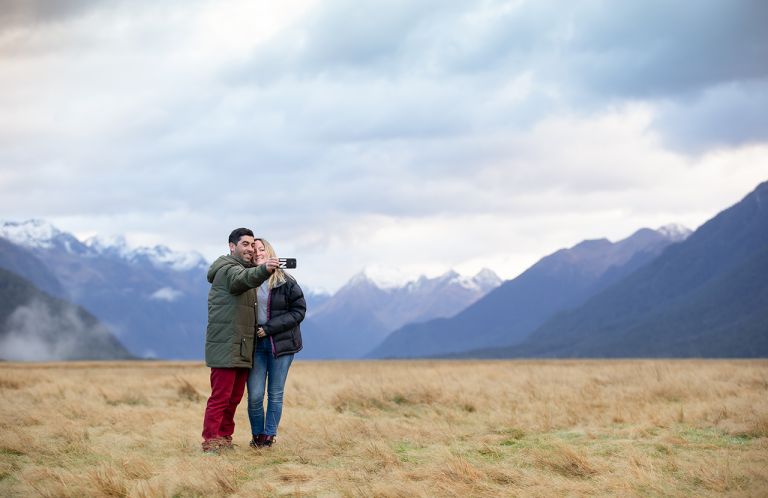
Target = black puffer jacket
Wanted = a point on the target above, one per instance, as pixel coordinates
(286, 309)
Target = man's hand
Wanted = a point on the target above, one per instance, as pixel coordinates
(272, 264)
(260, 333)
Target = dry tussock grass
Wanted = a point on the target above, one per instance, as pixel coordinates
(394, 429)
(565, 461)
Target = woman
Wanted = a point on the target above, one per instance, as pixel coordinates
(280, 308)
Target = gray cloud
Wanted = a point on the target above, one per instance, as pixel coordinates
(20, 13)
(345, 33)
(590, 54)
(644, 48)
(343, 36)
(173, 123)
(658, 48)
(729, 115)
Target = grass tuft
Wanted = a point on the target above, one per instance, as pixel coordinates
(187, 391)
(107, 481)
(566, 461)
(459, 469)
(11, 384)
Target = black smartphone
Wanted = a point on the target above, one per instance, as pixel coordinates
(287, 262)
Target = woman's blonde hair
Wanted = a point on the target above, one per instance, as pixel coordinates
(278, 276)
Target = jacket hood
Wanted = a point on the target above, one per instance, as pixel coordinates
(222, 262)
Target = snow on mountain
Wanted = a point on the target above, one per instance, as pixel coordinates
(378, 300)
(391, 279)
(139, 293)
(675, 232)
(163, 256)
(115, 245)
(158, 255)
(43, 235)
(440, 295)
(484, 281)
(31, 233)
(383, 277)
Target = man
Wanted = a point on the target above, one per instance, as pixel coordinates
(229, 338)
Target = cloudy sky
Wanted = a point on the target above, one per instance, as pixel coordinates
(409, 135)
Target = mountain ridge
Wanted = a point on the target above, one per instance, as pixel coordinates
(705, 296)
(361, 312)
(40, 234)
(154, 306)
(556, 282)
(159, 308)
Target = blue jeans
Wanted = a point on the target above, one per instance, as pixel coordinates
(270, 373)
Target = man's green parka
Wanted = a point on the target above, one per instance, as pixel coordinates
(231, 312)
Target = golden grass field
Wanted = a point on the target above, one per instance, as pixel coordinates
(415, 428)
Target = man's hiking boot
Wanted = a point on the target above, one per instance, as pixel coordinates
(225, 443)
(212, 446)
(261, 441)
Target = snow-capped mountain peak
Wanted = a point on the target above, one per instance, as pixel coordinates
(158, 255)
(114, 245)
(489, 276)
(485, 280)
(384, 277)
(30, 233)
(163, 256)
(43, 235)
(390, 279)
(101, 243)
(675, 232)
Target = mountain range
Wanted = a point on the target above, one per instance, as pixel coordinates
(509, 313)
(657, 293)
(364, 311)
(704, 297)
(155, 300)
(152, 299)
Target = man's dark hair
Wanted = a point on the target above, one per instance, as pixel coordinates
(234, 237)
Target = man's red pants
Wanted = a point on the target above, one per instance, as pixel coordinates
(227, 386)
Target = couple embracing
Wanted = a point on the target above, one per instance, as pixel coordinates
(254, 312)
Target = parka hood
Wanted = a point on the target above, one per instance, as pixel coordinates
(221, 262)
